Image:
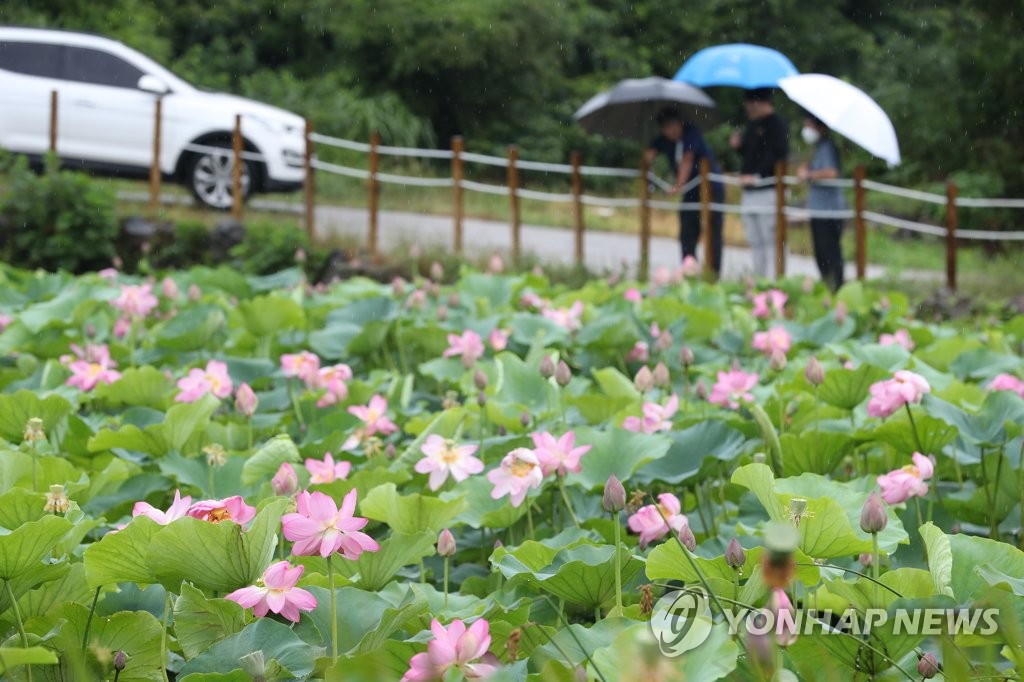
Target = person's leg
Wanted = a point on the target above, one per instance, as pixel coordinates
(765, 253)
(838, 268)
(819, 237)
(752, 230)
(717, 222)
(689, 232)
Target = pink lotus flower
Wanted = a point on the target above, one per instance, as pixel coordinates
(566, 317)
(633, 295)
(495, 265)
(443, 458)
(304, 365)
(93, 366)
(108, 274)
(1007, 382)
(320, 527)
(169, 288)
(122, 327)
(469, 345)
(375, 417)
(229, 509)
(732, 388)
(662, 276)
(769, 303)
(333, 380)
(177, 510)
(326, 470)
(277, 593)
(498, 339)
(775, 339)
(285, 482)
(690, 267)
(900, 338)
(5, 321)
(214, 379)
(841, 311)
(648, 521)
(905, 388)
(558, 455)
(454, 647)
(656, 417)
(909, 481)
(246, 401)
(639, 352)
(136, 301)
(531, 300)
(519, 471)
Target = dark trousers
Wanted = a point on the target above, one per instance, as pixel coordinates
(826, 233)
(689, 235)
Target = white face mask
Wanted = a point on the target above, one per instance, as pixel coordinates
(810, 135)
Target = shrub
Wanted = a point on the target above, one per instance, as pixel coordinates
(269, 247)
(190, 245)
(57, 220)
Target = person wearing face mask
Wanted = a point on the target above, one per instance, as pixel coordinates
(826, 232)
(764, 143)
(682, 144)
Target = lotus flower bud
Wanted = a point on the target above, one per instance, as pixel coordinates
(194, 294)
(300, 255)
(442, 313)
(525, 419)
(644, 379)
(814, 373)
(453, 300)
(701, 390)
(481, 398)
(498, 543)
(496, 265)
(446, 543)
(777, 360)
(874, 517)
(866, 559)
(808, 285)
(664, 341)
(735, 556)
(928, 666)
(760, 646)
(563, 375)
(614, 499)
(547, 367)
(120, 660)
(436, 271)
(397, 286)
(686, 356)
(285, 482)
(661, 376)
(841, 312)
(170, 288)
(479, 380)
(246, 401)
(389, 451)
(687, 538)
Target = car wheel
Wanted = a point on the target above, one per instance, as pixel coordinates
(210, 179)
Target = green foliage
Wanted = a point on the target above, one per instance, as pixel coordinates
(269, 247)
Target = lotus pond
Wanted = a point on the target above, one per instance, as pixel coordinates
(212, 477)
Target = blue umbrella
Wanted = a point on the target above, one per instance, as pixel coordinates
(738, 64)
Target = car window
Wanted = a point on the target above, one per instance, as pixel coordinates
(32, 59)
(86, 65)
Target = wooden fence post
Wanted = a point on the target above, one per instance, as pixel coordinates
(374, 190)
(780, 219)
(577, 194)
(155, 175)
(53, 121)
(710, 271)
(457, 187)
(952, 223)
(860, 229)
(513, 202)
(309, 184)
(236, 169)
(645, 220)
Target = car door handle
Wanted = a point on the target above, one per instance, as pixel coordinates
(87, 103)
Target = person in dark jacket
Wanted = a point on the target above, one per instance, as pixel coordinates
(826, 230)
(683, 145)
(762, 145)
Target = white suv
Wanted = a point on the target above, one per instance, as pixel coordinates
(107, 95)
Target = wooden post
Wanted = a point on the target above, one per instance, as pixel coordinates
(53, 121)
(236, 169)
(374, 190)
(309, 185)
(952, 224)
(645, 220)
(457, 193)
(513, 202)
(155, 175)
(710, 272)
(780, 219)
(577, 193)
(860, 229)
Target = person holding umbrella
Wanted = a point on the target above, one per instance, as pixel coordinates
(683, 145)
(825, 231)
(764, 143)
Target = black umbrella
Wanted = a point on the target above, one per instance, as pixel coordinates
(628, 109)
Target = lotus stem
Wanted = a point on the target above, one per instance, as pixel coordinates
(334, 609)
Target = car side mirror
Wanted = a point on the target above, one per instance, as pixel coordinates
(148, 83)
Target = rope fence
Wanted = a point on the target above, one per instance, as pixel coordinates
(457, 157)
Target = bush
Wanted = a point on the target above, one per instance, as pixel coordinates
(189, 246)
(269, 247)
(57, 220)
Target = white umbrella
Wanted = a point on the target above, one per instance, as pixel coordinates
(847, 110)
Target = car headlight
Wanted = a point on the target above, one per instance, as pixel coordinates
(293, 158)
